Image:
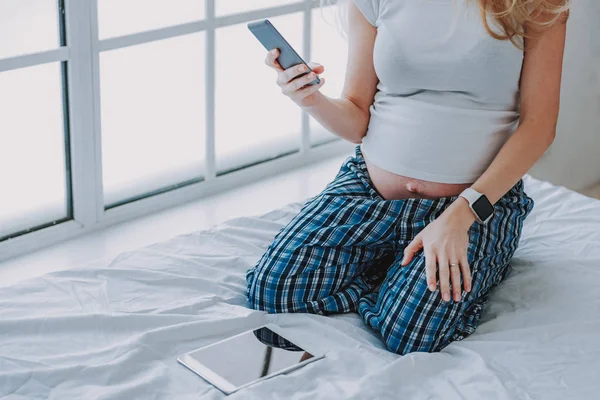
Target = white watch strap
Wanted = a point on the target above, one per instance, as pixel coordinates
(471, 195)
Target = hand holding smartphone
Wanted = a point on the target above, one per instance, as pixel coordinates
(271, 39)
(293, 81)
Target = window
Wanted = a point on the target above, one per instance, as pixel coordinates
(265, 124)
(38, 18)
(115, 108)
(122, 17)
(34, 164)
(331, 53)
(152, 108)
(224, 7)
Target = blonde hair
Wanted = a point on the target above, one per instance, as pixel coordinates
(517, 19)
(521, 19)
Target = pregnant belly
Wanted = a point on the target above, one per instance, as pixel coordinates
(395, 187)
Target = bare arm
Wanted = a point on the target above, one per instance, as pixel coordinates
(445, 240)
(348, 116)
(540, 101)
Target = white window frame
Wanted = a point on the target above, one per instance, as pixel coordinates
(82, 55)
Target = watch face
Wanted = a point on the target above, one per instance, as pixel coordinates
(483, 208)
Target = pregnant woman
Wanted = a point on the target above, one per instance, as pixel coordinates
(452, 102)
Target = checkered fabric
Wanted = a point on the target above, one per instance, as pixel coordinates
(270, 338)
(342, 253)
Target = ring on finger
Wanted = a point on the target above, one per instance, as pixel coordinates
(454, 265)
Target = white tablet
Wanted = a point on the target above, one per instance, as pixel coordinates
(249, 357)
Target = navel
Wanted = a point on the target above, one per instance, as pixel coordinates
(412, 187)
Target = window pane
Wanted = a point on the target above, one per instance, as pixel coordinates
(32, 148)
(123, 17)
(329, 48)
(28, 26)
(224, 7)
(254, 121)
(152, 116)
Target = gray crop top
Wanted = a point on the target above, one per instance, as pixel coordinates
(448, 93)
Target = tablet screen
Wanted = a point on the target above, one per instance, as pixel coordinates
(250, 356)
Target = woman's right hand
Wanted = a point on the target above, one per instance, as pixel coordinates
(296, 89)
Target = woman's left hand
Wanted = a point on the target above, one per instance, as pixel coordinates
(445, 242)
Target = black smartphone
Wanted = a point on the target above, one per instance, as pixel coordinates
(271, 39)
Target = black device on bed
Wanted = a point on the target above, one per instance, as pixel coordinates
(271, 39)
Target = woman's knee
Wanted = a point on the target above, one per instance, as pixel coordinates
(410, 318)
(258, 290)
(269, 287)
(281, 286)
(403, 337)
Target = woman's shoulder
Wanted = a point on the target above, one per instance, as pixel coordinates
(374, 9)
(369, 8)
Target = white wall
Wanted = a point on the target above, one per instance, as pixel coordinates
(574, 158)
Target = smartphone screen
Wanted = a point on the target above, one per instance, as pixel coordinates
(271, 39)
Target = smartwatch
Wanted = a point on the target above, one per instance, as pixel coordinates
(479, 204)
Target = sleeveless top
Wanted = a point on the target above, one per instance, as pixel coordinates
(448, 92)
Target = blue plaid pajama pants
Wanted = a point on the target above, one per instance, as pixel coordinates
(342, 253)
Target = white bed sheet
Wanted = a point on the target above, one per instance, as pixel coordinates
(115, 332)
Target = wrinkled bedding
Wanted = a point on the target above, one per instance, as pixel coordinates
(114, 332)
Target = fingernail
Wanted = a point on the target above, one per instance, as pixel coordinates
(446, 297)
(273, 51)
(432, 287)
(302, 68)
(312, 75)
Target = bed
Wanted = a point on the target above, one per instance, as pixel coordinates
(114, 331)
